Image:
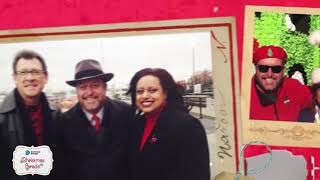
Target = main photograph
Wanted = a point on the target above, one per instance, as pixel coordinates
(163, 82)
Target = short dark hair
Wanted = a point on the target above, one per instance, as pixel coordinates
(174, 96)
(28, 55)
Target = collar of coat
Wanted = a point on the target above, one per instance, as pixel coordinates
(9, 103)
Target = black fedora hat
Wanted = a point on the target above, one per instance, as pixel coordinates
(88, 69)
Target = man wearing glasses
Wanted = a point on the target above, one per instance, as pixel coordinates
(25, 115)
(273, 96)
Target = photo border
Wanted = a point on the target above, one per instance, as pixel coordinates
(277, 133)
(224, 67)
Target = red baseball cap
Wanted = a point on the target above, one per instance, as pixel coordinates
(269, 52)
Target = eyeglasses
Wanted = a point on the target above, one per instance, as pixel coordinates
(274, 69)
(32, 72)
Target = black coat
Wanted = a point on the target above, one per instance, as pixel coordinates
(96, 156)
(16, 129)
(176, 149)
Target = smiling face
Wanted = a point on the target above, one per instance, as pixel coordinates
(29, 78)
(269, 81)
(91, 94)
(149, 94)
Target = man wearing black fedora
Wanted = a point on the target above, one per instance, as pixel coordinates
(94, 131)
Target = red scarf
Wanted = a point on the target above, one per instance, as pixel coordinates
(151, 119)
(35, 114)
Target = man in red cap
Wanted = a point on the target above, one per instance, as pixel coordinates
(273, 96)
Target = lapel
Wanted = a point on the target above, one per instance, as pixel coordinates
(105, 135)
(92, 140)
(83, 120)
(138, 126)
(159, 132)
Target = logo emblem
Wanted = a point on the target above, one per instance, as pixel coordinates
(286, 100)
(32, 160)
(270, 53)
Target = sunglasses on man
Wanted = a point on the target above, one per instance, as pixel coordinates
(274, 69)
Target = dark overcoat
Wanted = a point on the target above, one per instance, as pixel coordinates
(176, 149)
(96, 155)
(16, 129)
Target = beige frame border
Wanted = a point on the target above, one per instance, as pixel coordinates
(271, 132)
(224, 60)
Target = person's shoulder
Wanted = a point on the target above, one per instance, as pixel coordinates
(119, 107)
(306, 110)
(56, 113)
(291, 80)
(187, 125)
(2, 119)
(117, 104)
(186, 119)
(293, 84)
(195, 122)
(9, 103)
(72, 111)
(7, 106)
(306, 115)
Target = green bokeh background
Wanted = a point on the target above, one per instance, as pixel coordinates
(270, 29)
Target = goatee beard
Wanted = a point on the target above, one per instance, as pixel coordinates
(266, 91)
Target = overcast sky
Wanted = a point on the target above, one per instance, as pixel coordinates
(122, 56)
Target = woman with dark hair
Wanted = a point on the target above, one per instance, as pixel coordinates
(167, 143)
(312, 113)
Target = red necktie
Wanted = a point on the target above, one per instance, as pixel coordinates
(96, 121)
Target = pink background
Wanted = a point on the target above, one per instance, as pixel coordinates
(21, 14)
